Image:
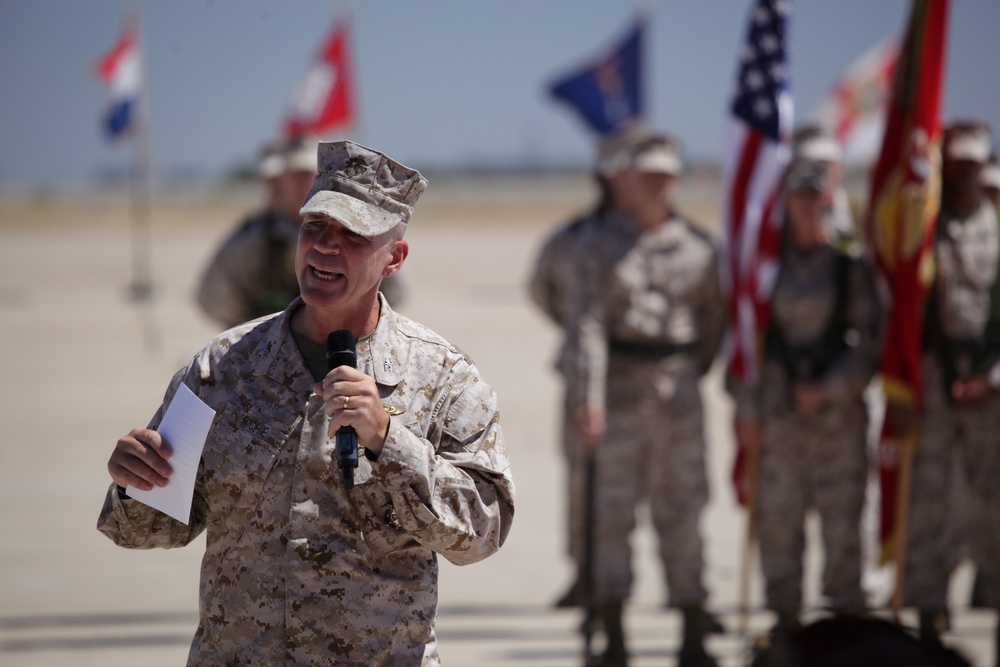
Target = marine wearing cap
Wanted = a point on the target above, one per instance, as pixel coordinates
(815, 144)
(657, 153)
(363, 189)
(639, 149)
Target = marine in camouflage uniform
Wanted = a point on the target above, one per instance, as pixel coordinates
(554, 277)
(806, 419)
(960, 419)
(252, 274)
(552, 286)
(299, 569)
(647, 327)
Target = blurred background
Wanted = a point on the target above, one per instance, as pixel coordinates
(443, 85)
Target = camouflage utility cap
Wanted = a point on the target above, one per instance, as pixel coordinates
(364, 190)
(657, 154)
(815, 143)
(614, 153)
(967, 140)
(299, 154)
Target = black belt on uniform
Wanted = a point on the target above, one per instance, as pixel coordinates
(649, 350)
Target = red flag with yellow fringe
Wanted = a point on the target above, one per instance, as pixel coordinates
(900, 223)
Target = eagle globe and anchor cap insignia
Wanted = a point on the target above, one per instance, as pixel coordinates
(363, 189)
(354, 167)
(908, 201)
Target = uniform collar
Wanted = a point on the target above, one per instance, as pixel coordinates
(277, 356)
(382, 354)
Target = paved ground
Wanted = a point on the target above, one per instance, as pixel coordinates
(82, 364)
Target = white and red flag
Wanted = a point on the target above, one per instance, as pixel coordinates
(324, 99)
(121, 71)
(854, 109)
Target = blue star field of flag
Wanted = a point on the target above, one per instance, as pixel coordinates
(763, 72)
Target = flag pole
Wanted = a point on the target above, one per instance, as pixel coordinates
(902, 520)
(750, 537)
(141, 290)
(140, 186)
(588, 565)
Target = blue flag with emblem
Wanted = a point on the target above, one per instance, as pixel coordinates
(607, 92)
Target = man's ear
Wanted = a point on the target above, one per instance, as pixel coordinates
(398, 254)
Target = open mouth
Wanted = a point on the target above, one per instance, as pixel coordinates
(325, 275)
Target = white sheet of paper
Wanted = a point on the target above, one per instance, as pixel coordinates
(184, 426)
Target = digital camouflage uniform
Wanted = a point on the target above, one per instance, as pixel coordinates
(299, 570)
(649, 325)
(966, 255)
(554, 280)
(826, 328)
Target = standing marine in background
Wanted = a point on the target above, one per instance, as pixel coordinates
(253, 272)
(960, 417)
(553, 283)
(806, 421)
(648, 326)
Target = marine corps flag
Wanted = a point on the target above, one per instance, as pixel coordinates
(900, 225)
(607, 93)
(324, 99)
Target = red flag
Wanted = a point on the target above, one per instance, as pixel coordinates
(324, 99)
(758, 134)
(901, 220)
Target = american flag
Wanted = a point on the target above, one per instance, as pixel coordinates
(757, 148)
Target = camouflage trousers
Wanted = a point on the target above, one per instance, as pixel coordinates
(653, 450)
(574, 480)
(956, 447)
(815, 462)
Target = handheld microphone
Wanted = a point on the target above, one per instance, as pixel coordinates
(341, 351)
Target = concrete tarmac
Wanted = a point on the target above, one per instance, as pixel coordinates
(82, 364)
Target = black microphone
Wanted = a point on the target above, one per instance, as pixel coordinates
(341, 351)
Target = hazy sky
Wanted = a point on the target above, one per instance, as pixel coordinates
(440, 82)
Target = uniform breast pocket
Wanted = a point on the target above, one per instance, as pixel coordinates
(383, 529)
(978, 259)
(239, 454)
